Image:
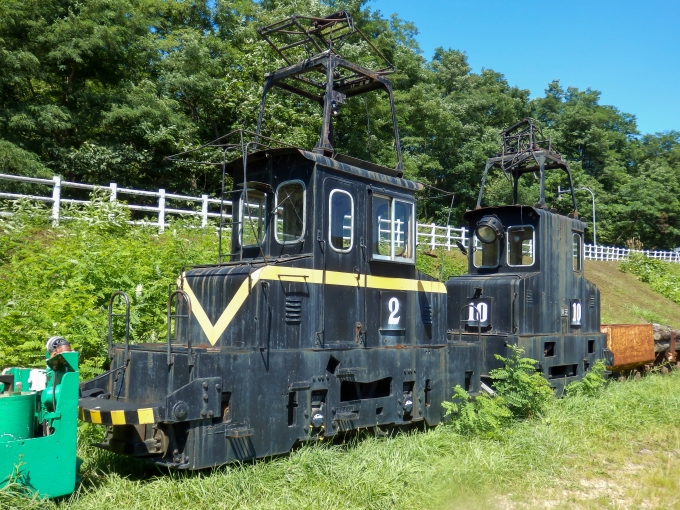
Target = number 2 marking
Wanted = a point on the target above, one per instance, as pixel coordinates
(393, 305)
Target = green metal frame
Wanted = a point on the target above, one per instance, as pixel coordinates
(45, 464)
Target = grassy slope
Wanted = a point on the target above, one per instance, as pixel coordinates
(626, 300)
(619, 449)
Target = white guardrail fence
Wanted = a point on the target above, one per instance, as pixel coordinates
(429, 234)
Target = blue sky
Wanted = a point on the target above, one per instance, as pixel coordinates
(628, 50)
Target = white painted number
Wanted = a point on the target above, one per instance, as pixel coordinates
(576, 312)
(393, 305)
(482, 312)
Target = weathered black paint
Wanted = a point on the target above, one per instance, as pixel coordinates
(298, 346)
(527, 303)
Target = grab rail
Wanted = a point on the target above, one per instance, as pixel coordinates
(127, 323)
(187, 299)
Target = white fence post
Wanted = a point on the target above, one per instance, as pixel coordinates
(204, 211)
(161, 210)
(56, 200)
(114, 191)
(448, 237)
(433, 238)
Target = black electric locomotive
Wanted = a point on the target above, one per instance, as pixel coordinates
(318, 324)
(525, 284)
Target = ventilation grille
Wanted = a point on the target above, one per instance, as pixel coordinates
(592, 301)
(293, 310)
(530, 297)
(426, 312)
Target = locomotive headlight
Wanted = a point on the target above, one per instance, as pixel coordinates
(488, 229)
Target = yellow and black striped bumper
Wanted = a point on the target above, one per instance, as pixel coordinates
(105, 412)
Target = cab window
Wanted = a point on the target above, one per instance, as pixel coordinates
(485, 255)
(521, 243)
(290, 212)
(341, 220)
(253, 206)
(577, 251)
(393, 229)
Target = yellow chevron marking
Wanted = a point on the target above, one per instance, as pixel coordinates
(95, 417)
(117, 417)
(296, 274)
(145, 416)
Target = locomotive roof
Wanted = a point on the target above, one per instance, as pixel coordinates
(341, 163)
(472, 213)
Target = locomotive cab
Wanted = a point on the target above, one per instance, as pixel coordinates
(525, 284)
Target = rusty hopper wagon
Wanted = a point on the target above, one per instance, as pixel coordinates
(319, 322)
(526, 284)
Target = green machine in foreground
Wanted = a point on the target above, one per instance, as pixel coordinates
(39, 421)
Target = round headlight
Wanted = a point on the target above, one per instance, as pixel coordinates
(486, 234)
(489, 229)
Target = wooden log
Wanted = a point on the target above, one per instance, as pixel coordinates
(661, 333)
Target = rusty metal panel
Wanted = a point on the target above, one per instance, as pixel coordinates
(632, 344)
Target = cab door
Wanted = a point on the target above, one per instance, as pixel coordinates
(343, 279)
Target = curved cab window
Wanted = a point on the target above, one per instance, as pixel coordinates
(290, 212)
(341, 221)
(577, 251)
(393, 229)
(253, 216)
(521, 246)
(486, 254)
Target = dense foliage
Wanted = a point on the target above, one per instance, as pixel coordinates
(521, 392)
(663, 277)
(57, 281)
(102, 90)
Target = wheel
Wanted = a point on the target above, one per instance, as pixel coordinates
(638, 375)
(622, 378)
(664, 370)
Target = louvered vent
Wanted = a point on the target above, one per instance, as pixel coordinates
(530, 297)
(426, 312)
(592, 301)
(293, 310)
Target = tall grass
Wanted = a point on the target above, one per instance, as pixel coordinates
(576, 440)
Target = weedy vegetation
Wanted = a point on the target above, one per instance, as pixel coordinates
(662, 277)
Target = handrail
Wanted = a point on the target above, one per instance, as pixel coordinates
(479, 322)
(187, 299)
(127, 323)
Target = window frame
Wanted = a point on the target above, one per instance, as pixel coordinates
(581, 255)
(533, 245)
(413, 237)
(242, 220)
(475, 240)
(330, 219)
(304, 212)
